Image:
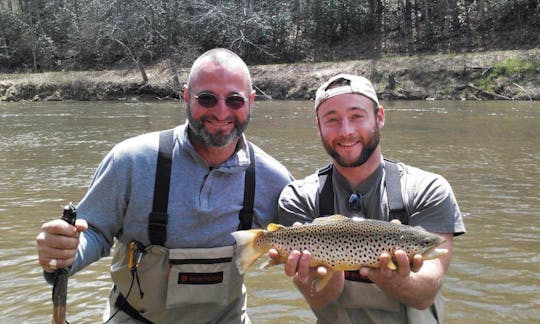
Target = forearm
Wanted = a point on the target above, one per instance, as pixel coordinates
(420, 289)
(91, 248)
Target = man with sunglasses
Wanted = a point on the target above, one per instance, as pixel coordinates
(360, 183)
(170, 200)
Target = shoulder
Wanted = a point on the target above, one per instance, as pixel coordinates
(417, 179)
(144, 143)
(135, 152)
(431, 201)
(306, 188)
(267, 164)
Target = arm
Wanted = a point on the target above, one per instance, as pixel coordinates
(79, 245)
(416, 289)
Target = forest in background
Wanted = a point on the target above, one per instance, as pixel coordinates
(55, 35)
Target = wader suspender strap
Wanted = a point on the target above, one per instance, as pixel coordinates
(246, 214)
(157, 223)
(393, 192)
(326, 196)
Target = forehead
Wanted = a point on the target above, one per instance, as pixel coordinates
(211, 75)
(344, 103)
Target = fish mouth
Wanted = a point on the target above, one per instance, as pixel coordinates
(434, 253)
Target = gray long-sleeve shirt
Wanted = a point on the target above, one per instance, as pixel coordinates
(203, 202)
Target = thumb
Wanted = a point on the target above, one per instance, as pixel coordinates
(365, 272)
(81, 225)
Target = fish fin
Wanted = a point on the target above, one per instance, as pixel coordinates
(391, 264)
(270, 263)
(272, 227)
(320, 283)
(245, 250)
(333, 218)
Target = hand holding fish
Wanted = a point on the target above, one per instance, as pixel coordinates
(415, 282)
(304, 276)
(57, 243)
(339, 243)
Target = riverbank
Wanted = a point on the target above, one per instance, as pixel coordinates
(497, 75)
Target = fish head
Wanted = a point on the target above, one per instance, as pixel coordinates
(430, 244)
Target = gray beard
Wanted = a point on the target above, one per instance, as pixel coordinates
(218, 139)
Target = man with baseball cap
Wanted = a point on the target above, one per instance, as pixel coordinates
(360, 183)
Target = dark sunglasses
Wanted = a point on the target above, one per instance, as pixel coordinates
(355, 201)
(209, 100)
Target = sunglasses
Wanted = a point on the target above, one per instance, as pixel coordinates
(209, 100)
(355, 201)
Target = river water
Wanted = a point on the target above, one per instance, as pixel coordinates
(489, 152)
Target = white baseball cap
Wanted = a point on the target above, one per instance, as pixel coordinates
(351, 84)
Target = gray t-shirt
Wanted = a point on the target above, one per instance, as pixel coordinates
(430, 204)
(428, 198)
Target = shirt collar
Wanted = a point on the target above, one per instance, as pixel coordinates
(365, 187)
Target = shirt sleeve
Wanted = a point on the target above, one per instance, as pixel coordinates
(434, 206)
(103, 208)
(297, 202)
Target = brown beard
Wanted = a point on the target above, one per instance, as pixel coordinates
(368, 148)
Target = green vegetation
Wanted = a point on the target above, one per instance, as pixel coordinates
(513, 69)
(50, 35)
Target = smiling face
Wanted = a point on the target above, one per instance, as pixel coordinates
(219, 125)
(349, 128)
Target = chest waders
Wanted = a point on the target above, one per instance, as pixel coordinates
(397, 210)
(158, 218)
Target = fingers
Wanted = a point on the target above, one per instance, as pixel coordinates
(57, 243)
(384, 261)
(403, 267)
(293, 261)
(303, 268)
(402, 260)
(81, 225)
(417, 263)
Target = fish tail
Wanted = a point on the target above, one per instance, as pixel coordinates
(246, 250)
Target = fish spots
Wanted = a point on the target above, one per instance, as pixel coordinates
(349, 244)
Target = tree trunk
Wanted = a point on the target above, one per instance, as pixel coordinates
(15, 6)
(140, 65)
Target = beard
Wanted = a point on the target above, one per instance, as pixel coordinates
(368, 147)
(219, 139)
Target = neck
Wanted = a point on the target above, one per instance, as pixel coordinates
(214, 155)
(356, 175)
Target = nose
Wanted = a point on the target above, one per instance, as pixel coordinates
(220, 110)
(347, 127)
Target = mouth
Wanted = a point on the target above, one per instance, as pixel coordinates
(219, 124)
(348, 144)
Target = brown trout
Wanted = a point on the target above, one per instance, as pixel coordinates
(337, 242)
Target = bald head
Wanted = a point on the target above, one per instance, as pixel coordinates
(219, 58)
